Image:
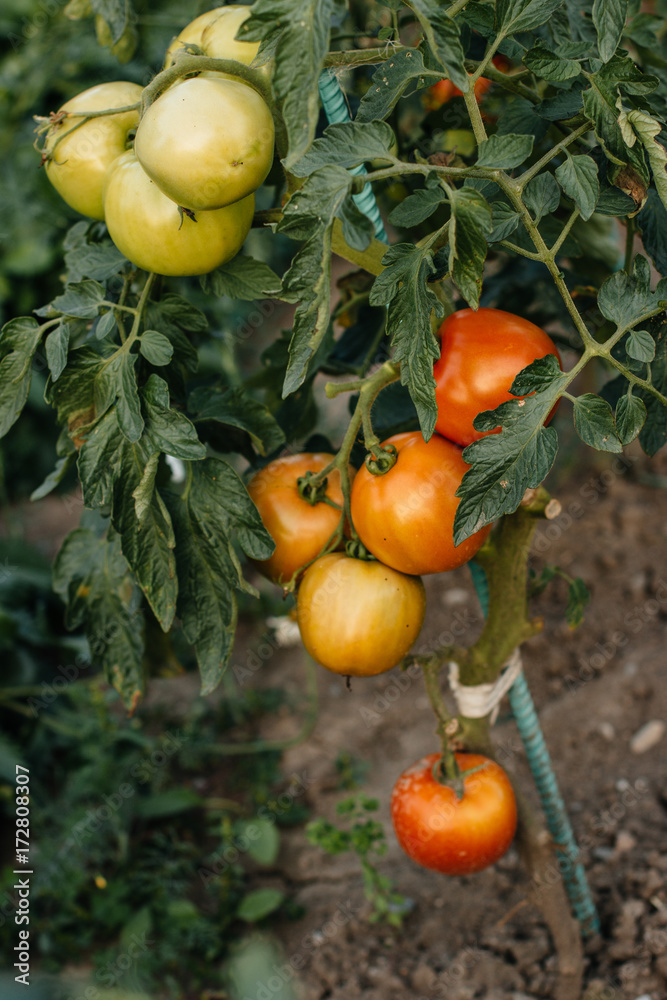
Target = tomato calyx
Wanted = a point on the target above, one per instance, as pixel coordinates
(355, 549)
(381, 461)
(312, 489)
(446, 771)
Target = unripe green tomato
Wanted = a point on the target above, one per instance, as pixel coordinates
(206, 142)
(148, 228)
(81, 159)
(358, 618)
(214, 33)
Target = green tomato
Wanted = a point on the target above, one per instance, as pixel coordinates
(150, 230)
(82, 158)
(207, 142)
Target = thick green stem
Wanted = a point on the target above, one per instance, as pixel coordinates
(554, 151)
(474, 113)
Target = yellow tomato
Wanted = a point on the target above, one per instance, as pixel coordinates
(82, 158)
(206, 142)
(214, 33)
(148, 228)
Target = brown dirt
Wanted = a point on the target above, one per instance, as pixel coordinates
(479, 936)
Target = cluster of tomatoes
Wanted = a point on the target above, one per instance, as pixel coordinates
(360, 616)
(181, 201)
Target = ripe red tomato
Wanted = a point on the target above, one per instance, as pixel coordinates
(406, 517)
(481, 353)
(299, 529)
(358, 617)
(447, 834)
(443, 91)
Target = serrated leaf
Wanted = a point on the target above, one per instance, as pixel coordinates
(56, 346)
(578, 177)
(242, 277)
(505, 221)
(542, 195)
(630, 417)
(389, 82)
(546, 64)
(128, 408)
(156, 348)
(403, 287)
(523, 15)
(99, 460)
(640, 345)
(18, 342)
(647, 130)
(92, 577)
(609, 17)
(259, 904)
(213, 512)
(594, 423)
(170, 431)
(505, 465)
(347, 144)
(505, 151)
(298, 31)
(55, 477)
(80, 299)
(443, 36)
(627, 299)
(357, 228)
(613, 201)
(419, 205)
(538, 376)
(562, 106)
(99, 261)
(115, 13)
(234, 407)
(600, 108)
(177, 313)
(470, 222)
(578, 597)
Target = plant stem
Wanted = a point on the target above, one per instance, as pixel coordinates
(474, 113)
(444, 719)
(554, 151)
(565, 230)
(363, 57)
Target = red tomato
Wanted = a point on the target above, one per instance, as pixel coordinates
(406, 517)
(481, 353)
(299, 529)
(443, 91)
(447, 834)
(358, 617)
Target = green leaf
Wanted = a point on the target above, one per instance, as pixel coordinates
(99, 261)
(234, 407)
(566, 104)
(594, 423)
(505, 221)
(259, 904)
(147, 545)
(156, 348)
(539, 376)
(263, 838)
(142, 494)
(214, 511)
(523, 15)
(609, 17)
(578, 177)
(130, 421)
(600, 108)
(652, 223)
(578, 597)
(347, 144)
(177, 313)
(546, 64)
(630, 417)
(115, 13)
(358, 230)
(505, 465)
(403, 287)
(505, 151)
(170, 431)
(470, 222)
(389, 82)
(542, 195)
(640, 346)
(55, 477)
(56, 346)
(647, 130)
(613, 201)
(92, 577)
(298, 31)
(168, 803)
(653, 435)
(627, 299)
(105, 326)
(99, 460)
(242, 277)
(18, 342)
(443, 36)
(419, 205)
(80, 299)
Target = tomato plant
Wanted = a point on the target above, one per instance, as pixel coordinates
(357, 617)
(300, 529)
(482, 351)
(215, 33)
(451, 834)
(406, 516)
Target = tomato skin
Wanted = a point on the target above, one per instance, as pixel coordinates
(299, 529)
(406, 517)
(206, 142)
(358, 618)
(82, 159)
(214, 32)
(481, 353)
(444, 90)
(146, 226)
(451, 835)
